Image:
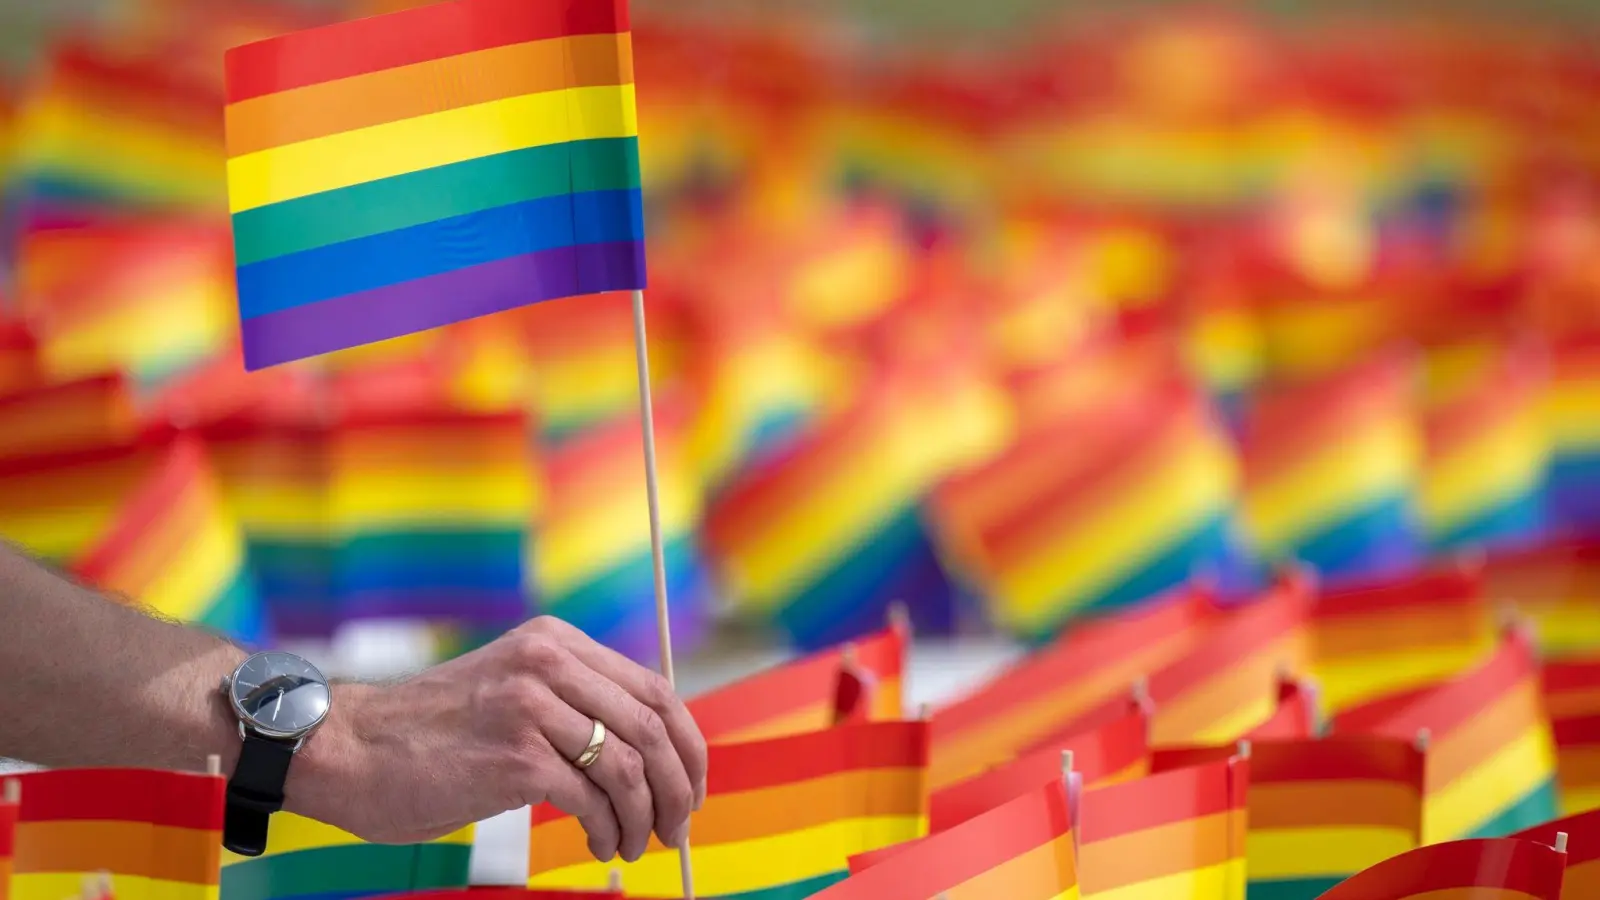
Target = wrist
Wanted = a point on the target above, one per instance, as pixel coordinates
(324, 777)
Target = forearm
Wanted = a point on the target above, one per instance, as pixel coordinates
(85, 681)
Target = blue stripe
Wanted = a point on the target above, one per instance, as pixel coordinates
(1519, 518)
(439, 247)
(1379, 540)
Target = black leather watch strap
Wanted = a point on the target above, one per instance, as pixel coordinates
(255, 793)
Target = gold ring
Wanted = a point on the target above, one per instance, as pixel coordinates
(597, 742)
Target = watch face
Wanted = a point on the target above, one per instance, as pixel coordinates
(280, 694)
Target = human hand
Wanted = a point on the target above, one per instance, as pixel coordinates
(497, 730)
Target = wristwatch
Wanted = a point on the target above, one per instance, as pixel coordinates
(279, 700)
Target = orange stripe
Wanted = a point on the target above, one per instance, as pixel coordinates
(747, 815)
(1570, 704)
(1582, 881)
(139, 849)
(1358, 636)
(1454, 755)
(1158, 852)
(1044, 871)
(1341, 803)
(1253, 680)
(453, 82)
(1578, 765)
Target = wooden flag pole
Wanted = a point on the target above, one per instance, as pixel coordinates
(658, 553)
(11, 791)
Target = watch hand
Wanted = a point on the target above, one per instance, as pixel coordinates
(277, 706)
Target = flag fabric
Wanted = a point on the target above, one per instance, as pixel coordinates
(1582, 877)
(8, 833)
(310, 860)
(1572, 700)
(40, 420)
(1299, 713)
(507, 893)
(352, 176)
(1491, 760)
(1330, 469)
(1111, 754)
(1552, 584)
(802, 695)
(19, 350)
(56, 505)
(1178, 835)
(1021, 850)
(1049, 692)
(176, 548)
(781, 819)
(1570, 405)
(157, 834)
(1385, 637)
(1508, 869)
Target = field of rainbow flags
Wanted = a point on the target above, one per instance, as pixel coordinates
(1246, 373)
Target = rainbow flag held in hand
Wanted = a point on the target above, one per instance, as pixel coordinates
(1330, 471)
(1572, 699)
(1110, 754)
(156, 833)
(1021, 850)
(1501, 869)
(1048, 694)
(782, 817)
(1380, 638)
(176, 548)
(1491, 758)
(1178, 835)
(1582, 878)
(801, 696)
(353, 174)
(307, 860)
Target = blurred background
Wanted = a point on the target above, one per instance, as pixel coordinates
(1009, 313)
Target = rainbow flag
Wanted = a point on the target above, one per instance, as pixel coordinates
(157, 834)
(176, 548)
(1113, 753)
(1552, 584)
(19, 352)
(57, 505)
(1021, 850)
(508, 893)
(1485, 454)
(1572, 405)
(802, 696)
(1582, 878)
(1299, 713)
(1387, 637)
(592, 565)
(352, 175)
(428, 507)
(1491, 759)
(1047, 694)
(10, 793)
(1572, 700)
(782, 817)
(1178, 835)
(307, 859)
(66, 418)
(1139, 504)
(1330, 467)
(1502, 869)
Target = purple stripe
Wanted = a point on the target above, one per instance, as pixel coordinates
(413, 306)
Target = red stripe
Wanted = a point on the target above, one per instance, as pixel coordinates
(1242, 632)
(1564, 677)
(1453, 704)
(8, 830)
(1176, 796)
(1294, 718)
(506, 893)
(1582, 831)
(1510, 864)
(1578, 732)
(1457, 585)
(1336, 758)
(181, 473)
(150, 440)
(359, 47)
(175, 799)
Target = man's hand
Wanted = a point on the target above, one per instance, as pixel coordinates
(496, 730)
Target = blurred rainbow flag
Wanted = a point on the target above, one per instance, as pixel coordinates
(1330, 470)
(1581, 879)
(1572, 699)
(67, 417)
(57, 504)
(1552, 584)
(19, 354)
(307, 860)
(1573, 416)
(176, 548)
(592, 564)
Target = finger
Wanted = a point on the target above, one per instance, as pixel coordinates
(570, 791)
(619, 772)
(653, 691)
(640, 727)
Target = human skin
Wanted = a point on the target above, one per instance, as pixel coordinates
(89, 681)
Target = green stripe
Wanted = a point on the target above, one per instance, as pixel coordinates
(1291, 888)
(464, 544)
(350, 869)
(796, 891)
(430, 195)
(1538, 807)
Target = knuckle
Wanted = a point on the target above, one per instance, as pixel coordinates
(656, 692)
(529, 700)
(650, 730)
(540, 654)
(630, 770)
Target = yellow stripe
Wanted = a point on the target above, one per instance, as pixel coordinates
(1377, 462)
(740, 866)
(56, 134)
(393, 498)
(1188, 489)
(1226, 348)
(291, 834)
(187, 586)
(268, 510)
(1321, 852)
(56, 534)
(1565, 629)
(425, 142)
(1480, 795)
(572, 550)
(42, 886)
(1223, 881)
(1347, 682)
(1572, 414)
(1579, 800)
(1497, 466)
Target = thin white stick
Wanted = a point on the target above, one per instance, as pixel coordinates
(658, 555)
(214, 765)
(1066, 763)
(1424, 738)
(1561, 842)
(11, 791)
(1243, 750)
